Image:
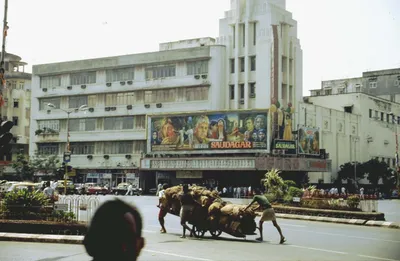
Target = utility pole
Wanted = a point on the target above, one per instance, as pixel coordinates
(3, 47)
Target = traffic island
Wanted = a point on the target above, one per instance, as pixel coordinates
(42, 227)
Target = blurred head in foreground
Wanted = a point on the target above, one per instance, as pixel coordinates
(115, 232)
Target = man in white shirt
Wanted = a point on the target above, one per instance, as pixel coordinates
(130, 190)
(48, 191)
(163, 211)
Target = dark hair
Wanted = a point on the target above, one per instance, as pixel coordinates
(47, 183)
(165, 186)
(185, 188)
(109, 229)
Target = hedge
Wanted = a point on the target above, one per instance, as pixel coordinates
(42, 227)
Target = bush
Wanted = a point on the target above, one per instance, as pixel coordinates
(353, 201)
(295, 192)
(290, 183)
(288, 199)
(271, 197)
(24, 200)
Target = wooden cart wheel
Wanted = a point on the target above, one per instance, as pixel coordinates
(215, 233)
(199, 233)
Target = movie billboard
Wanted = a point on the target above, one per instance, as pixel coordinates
(208, 131)
(308, 142)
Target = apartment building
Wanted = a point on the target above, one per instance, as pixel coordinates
(383, 83)
(256, 59)
(16, 108)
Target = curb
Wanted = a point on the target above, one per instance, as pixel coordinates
(324, 219)
(383, 224)
(41, 238)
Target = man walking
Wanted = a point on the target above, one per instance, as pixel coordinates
(163, 209)
(187, 204)
(129, 190)
(267, 215)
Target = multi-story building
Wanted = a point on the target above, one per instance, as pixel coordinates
(361, 128)
(382, 83)
(254, 63)
(16, 108)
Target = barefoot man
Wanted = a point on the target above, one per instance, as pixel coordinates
(267, 215)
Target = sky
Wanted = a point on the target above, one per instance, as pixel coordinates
(339, 38)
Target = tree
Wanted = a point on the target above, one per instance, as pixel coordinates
(23, 167)
(274, 183)
(377, 170)
(347, 170)
(47, 165)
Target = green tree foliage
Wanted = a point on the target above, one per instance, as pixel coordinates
(23, 168)
(377, 170)
(347, 170)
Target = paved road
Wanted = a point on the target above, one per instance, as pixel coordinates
(306, 241)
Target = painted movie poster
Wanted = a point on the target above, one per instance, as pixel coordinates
(308, 141)
(213, 131)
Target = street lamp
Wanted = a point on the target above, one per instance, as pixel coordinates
(67, 149)
(355, 139)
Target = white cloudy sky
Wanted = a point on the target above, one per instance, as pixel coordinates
(340, 38)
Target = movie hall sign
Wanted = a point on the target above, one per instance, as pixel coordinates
(288, 146)
(201, 164)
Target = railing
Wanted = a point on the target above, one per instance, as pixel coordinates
(82, 206)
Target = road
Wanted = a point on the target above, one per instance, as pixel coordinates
(305, 241)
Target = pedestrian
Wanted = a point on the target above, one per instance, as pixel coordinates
(267, 215)
(120, 241)
(49, 191)
(163, 209)
(187, 204)
(159, 187)
(362, 193)
(129, 190)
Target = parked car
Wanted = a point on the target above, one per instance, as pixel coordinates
(122, 188)
(96, 190)
(23, 185)
(70, 187)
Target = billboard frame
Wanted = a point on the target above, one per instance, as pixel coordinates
(210, 151)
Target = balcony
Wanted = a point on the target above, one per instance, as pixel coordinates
(98, 161)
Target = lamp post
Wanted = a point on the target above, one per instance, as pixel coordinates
(396, 154)
(67, 148)
(355, 139)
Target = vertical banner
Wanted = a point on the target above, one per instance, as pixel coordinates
(308, 141)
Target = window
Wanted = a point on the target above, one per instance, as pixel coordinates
(140, 122)
(392, 97)
(139, 146)
(244, 34)
(77, 101)
(348, 109)
(370, 113)
(118, 147)
(49, 124)
(82, 78)
(397, 83)
(16, 103)
(160, 71)
(254, 33)
(232, 92)
(398, 120)
(80, 148)
(118, 123)
(232, 65)
(376, 115)
(48, 148)
(358, 89)
(50, 81)
(122, 74)
(328, 92)
(394, 162)
(242, 64)
(198, 67)
(372, 85)
(252, 93)
(44, 102)
(252, 63)
(15, 120)
(196, 93)
(241, 91)
(382, 116)
(165, 95)
(340, 90)
(88, 124)
(387, 117)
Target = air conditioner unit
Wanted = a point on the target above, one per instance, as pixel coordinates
(107, 109)
(197, 76)
(44, 89)
(130, 82)
(106, 156)
(69, 87)
(129, 107)
(128, 156)
(113, 108)
(252, 95)
(204, 76)
(109, 84)
(91, 109)
(241, 101)
(83, 86)
(147, 106)
(89, 157)
(122, 83)
(159, 105)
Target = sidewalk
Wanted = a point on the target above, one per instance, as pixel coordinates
(360, 222)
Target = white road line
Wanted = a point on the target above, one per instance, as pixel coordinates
(378, 258)
(342, 235)
(319, 249)
(176, 255)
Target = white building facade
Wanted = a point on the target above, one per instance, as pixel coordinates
(16, 108)
(256, 58)
(354, 126)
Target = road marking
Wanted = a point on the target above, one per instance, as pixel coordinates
(176, 255)
(342, 235)
(148, 231)
(379, 258)
(319, 249)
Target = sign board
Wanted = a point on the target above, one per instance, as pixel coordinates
(200, 164)
(67, 157)
(107, 175)
(198, 133)
(72, 173)
(296, 199)
(61, 207)
(287, 146)
(308, 142)
(189, 174)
